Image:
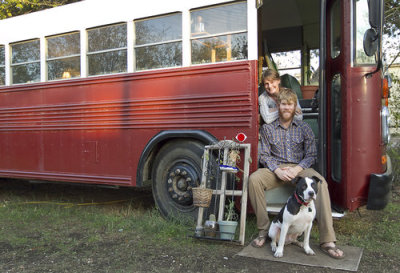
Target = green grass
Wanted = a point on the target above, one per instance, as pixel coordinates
(27, 222)
(373, 231)
(376, 231)
(61, 228)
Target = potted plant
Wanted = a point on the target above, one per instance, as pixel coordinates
(227, 228)
(233, 158)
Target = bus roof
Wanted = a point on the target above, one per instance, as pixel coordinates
(87, 14)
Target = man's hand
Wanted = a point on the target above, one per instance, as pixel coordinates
(288, 173)
(283, 174)
(294, 171)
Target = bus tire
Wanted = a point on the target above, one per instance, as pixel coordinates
(176, 170)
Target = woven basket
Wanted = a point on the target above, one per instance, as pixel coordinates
(202, 197)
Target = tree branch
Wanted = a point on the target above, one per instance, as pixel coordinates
(394, 59)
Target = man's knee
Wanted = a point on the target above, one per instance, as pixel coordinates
(311, 172)
(255, 180)
(323, 187)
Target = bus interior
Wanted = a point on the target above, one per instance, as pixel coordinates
(289, 42)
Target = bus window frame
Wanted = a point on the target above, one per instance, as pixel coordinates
(3, 65)
(163, 42)
(108, 50)
(25, 63)
(333, 19)
(354, 40)
(64, 76)
(287, 69)
(336, 123)
(208, 36)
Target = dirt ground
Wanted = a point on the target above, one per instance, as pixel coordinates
(131, 252)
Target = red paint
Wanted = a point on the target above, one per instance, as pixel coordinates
(94, 130)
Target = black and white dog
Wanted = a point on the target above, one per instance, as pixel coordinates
(295, 217)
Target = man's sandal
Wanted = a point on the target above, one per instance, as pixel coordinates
(326, 250)
(259, 239)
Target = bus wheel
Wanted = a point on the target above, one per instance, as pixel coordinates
(176, 170)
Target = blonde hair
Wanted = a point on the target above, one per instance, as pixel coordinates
(288, 95)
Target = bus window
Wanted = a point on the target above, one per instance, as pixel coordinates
(25, 62)
(361, 25)
(159, 42)
(219, 33)
(336, 113)
(336, 25)
(107, 50)
(63, 56)
(2, 65)
(313, 77)
(289, 62)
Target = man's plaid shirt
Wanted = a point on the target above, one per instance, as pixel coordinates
(295, 144)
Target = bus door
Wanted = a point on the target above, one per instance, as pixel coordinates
(353, 100)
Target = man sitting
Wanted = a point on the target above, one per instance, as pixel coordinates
(288, 150)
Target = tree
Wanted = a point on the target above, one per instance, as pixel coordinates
(9, 8)
(392, 31)
(392, 55)
(392, 18)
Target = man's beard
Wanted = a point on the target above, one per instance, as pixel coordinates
(286, 117)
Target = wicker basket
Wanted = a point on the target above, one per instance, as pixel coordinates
(202, 197)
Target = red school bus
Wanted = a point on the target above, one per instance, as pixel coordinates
(127, 97)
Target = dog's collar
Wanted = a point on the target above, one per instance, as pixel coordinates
(300, 201)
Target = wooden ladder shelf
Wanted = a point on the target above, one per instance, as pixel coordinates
(226, 146)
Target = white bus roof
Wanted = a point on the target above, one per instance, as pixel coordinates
(87, 14)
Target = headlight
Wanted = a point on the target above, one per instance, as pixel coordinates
(385, 116)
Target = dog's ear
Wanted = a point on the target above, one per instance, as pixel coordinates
(316, 178)
(295, 180)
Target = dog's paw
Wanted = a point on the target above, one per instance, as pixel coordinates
(273, 247)
(309, 251)
(278, 254)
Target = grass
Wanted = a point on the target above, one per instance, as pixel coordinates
(28, 221)
(376, 231)
(73, 229)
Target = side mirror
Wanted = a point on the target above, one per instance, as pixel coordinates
(374, 7)
(370, 42)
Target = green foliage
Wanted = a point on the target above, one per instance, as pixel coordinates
(364, 231)
(394, 101)
(230, 213)
(392, 18)
(392, 30)
(394, 153)
(9, 8)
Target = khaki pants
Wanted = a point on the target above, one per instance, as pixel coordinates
(263, 179)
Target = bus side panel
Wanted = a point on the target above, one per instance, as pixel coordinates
(361, 138)
(94, 130)
(365, 147)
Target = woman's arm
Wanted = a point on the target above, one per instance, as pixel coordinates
(299, 113)
(268, 113)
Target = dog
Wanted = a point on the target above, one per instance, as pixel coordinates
(296, 217)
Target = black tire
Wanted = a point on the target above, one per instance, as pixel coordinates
(176, 170)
